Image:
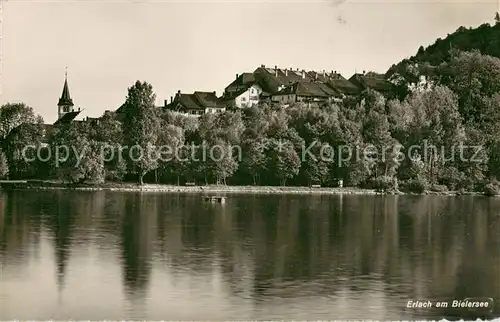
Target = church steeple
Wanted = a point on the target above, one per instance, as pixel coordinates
(65, 104)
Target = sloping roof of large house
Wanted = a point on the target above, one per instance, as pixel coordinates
(272, 80)
(309, 89)
(196, 101)
(232, 95)
(245, 79)
(342, 85)
(373, 81)
(239, 86)
(208, 99)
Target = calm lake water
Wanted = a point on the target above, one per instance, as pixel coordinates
(108, 255)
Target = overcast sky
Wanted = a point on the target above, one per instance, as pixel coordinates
(201, 45)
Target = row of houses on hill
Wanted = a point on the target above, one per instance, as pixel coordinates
(284, 86)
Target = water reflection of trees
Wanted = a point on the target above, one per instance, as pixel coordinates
(19, 230)
(138, 235)
(418, 247)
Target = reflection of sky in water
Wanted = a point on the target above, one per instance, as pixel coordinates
(175, 258)
(93, 290)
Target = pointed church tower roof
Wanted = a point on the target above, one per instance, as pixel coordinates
(65, 97)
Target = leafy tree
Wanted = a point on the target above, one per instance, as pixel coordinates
(485, 39)
(19, 127)
(254, 159)
(173, 157)
(141, 128)
(78, 157)
(231, 127)
(430, 121)
(14, 114)
(109, 129)
(256, 122)
(4, 167)
(23, 162)
(358, 171)
(283, 161)
(376, 132)
(222, 161)
(472, 76)
(91, 167)
(208, 129)
(278, 123)
(316, 165)
(108, 133)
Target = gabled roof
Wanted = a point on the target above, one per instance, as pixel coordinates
(267, 80)
(243, 80)
(272, 79)
(237, 92)
(342, 85)
(373, 81)
(328, 90)
(232, 95)
(240, 85)
(67, 118)
(196, 101)
(188, 101)
(208, 100)
(309, 89)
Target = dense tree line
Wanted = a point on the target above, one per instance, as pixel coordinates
(485, 38)
(443, 135)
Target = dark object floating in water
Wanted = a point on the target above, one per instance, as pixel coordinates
(215, 199)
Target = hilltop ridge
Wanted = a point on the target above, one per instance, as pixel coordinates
(485, 38)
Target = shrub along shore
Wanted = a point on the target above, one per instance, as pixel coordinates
(212, 189)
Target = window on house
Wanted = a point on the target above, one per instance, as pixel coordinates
(243, 99)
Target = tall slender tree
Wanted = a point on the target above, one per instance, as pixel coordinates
(141, 128)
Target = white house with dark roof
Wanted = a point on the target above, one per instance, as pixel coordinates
(243, 92)
(248, 97)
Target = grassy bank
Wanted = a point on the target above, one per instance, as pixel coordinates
(53, 185)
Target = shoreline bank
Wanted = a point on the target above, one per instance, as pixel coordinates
(131, 187)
